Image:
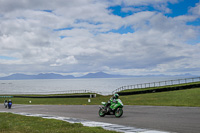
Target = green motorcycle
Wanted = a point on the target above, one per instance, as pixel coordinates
(114, 109)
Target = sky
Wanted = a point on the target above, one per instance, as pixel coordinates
(128, 37)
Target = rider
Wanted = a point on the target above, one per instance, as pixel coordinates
(5, 103)
(9, 101)
(112, 100)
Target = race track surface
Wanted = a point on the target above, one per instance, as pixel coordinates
(171, 119)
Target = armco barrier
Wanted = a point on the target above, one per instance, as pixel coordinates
(6, 96)
(64, 96)
(160, 90)
(157, 84)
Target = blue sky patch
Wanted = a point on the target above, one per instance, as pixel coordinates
(50, 11)
(87, 21)
(61, 37)
(7, 58)
(117, 10)
(193, 41)
(181, 8)
(123, 30)
(194, 23)
(60, 29)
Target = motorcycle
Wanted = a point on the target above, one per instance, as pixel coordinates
(116, 108)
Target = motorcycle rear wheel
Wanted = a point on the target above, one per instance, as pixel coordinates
(118, 112)
(101, 113)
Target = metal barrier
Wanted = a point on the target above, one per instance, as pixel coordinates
(60, 96)
(72, 92)
(6, 96)
(157, 84)
(61, 92)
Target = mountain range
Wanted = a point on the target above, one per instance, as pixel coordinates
(19, 76)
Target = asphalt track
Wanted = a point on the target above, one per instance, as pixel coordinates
(171, 119)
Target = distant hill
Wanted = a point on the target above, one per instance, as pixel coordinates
(89, 75)
(101, 75)
(58, 76)
(39, 76)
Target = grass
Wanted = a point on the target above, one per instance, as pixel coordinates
(188, 97)
(12, 123)
(59, 101)
(152, 88)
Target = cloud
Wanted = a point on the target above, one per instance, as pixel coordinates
(68, 60)
(77, 36)
(195, 10)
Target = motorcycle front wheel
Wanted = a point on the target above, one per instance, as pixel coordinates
(118, 112)
(101, 113)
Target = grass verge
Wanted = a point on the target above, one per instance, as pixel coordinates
(155, 88)
(188, 97)
(12, 123)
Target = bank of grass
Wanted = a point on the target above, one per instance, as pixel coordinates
(12, 123)
(156, 88)
(188, 97)
(58, 101)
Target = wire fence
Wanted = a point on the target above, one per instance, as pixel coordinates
(157, 84)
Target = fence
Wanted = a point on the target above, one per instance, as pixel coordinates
(157, 84)
(74, 91)
(54, 92)
(6, 96)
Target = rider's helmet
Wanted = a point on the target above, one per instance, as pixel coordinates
(116, 96)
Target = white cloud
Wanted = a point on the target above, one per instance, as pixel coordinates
(33, 37)
(195, 10)
(64, 61)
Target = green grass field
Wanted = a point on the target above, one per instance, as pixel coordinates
(12, 123)
(154, 88)
(188, 97)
